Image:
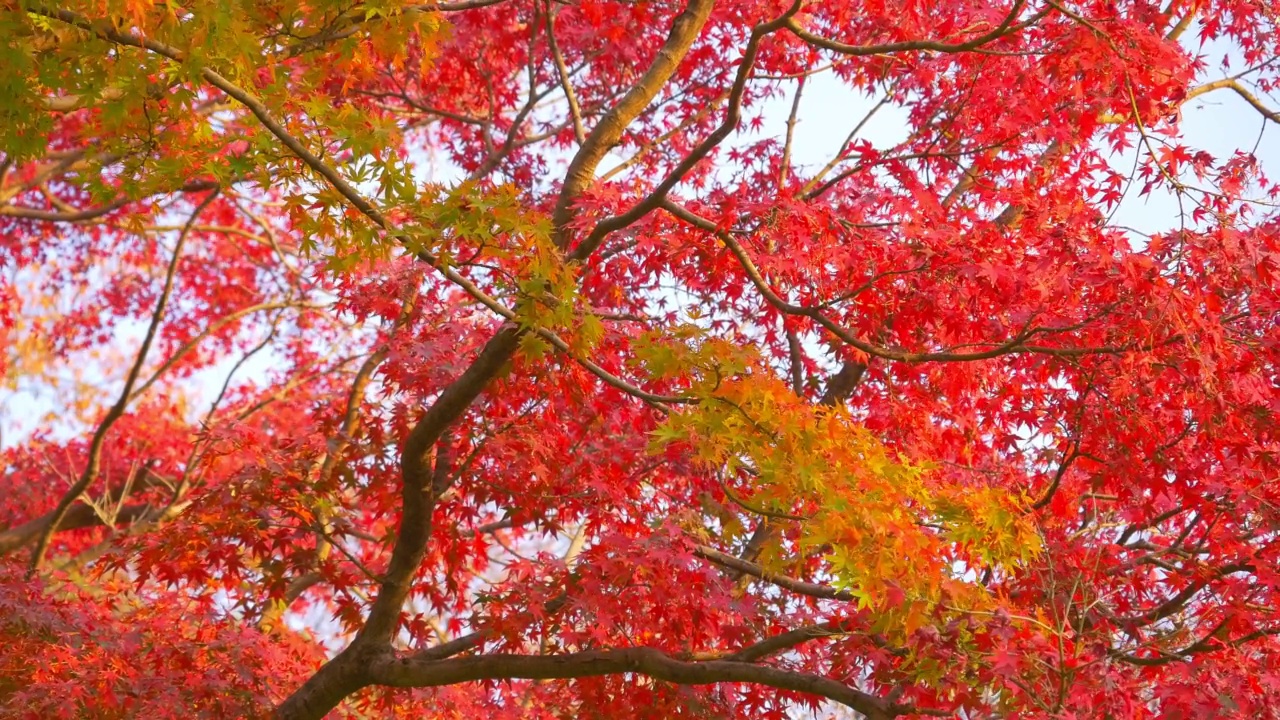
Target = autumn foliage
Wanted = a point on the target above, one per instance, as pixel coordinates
(501, 359)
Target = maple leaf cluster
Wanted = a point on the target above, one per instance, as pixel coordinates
(503, 358)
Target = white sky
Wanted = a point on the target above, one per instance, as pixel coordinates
(1220, 123)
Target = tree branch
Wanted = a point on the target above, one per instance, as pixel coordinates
(416, 671)
(1006, 27)
(606, 134)
(94, 460)
(1015, 344)
(802, 587)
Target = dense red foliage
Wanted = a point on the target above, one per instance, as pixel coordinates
(498, 358)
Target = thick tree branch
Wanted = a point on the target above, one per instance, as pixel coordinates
(1234, 85)
(417, 672)
(348, 671)
(733, 113)
(606, 134)
(77, 517)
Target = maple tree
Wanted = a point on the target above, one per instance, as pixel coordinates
(625, 412)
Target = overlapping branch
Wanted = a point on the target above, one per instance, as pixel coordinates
(93, 463)
(1017, 344)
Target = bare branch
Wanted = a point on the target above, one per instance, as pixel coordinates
(94, 460)
(798, 586)
(1006, 27)
(574, 110)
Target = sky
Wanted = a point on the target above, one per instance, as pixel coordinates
(1221, 123)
